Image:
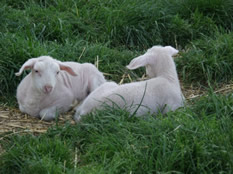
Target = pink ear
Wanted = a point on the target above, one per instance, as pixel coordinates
(67, 68)
(27, 65)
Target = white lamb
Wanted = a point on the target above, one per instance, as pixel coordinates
(161, 93)
(52, 86)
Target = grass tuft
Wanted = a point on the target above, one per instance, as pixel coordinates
(209, 59)
(185, 141)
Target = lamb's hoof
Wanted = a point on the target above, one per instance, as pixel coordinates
(77, 117)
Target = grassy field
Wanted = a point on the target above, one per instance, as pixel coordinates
(197, 138)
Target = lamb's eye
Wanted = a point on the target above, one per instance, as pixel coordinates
(36, 71)
(58, 72)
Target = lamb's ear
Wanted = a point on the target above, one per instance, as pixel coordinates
(67, 68)
(27, 65)
(171, 51)
(138, 62)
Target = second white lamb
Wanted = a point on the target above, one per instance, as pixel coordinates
(161, 93)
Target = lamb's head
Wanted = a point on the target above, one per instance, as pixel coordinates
(44, 72)
(152, 59)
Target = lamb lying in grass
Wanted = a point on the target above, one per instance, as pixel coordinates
(161, 93)
(52, 86)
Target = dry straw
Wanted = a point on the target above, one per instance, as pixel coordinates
(12, 121)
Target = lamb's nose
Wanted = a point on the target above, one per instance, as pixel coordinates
(48, 88)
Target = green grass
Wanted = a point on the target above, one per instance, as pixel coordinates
(195, 139)
(116, 31)
(209, 59)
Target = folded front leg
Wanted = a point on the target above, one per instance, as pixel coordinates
(49, 114)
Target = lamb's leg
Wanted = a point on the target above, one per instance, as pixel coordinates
(48, 114)
(60, 106)
(32, 112)
(78, 114)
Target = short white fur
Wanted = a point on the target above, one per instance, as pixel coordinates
(52, 86)
(161, 93)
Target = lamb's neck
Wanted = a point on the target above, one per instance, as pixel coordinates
(65, 79)
(167, 70)
(170, 76)
(77, 84)
(82, 88)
